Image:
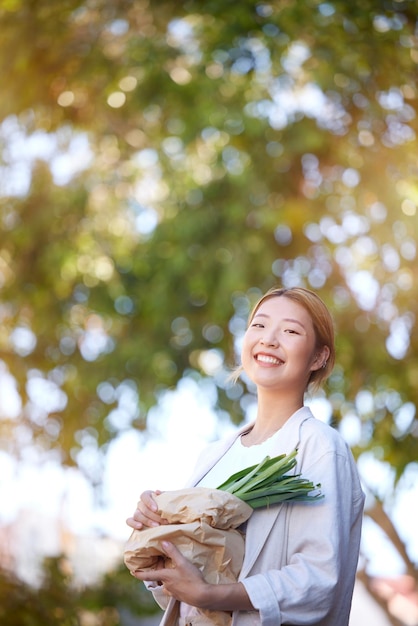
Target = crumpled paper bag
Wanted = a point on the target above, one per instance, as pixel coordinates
(203, 526)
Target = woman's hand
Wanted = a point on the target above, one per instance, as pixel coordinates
(181, 579)
(146, 514)
(185, 582)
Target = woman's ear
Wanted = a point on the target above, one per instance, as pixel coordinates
(321, 359)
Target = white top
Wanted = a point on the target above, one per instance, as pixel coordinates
(238, 457)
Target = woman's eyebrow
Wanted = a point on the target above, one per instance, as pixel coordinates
(290, 319)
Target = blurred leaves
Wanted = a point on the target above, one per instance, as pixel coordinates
(115, 600)
(164, 162)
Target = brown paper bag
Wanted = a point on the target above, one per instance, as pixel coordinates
(203, 526)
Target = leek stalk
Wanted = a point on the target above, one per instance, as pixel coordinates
(269, 483)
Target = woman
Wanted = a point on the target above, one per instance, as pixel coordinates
(300, 558)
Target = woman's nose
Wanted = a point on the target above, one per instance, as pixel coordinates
(270, 340)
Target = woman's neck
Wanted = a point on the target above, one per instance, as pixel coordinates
(272, 414)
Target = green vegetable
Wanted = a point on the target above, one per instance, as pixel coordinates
(268, 483)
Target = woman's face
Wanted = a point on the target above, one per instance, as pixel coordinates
(279, 347)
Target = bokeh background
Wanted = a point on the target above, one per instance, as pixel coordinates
(163, 163)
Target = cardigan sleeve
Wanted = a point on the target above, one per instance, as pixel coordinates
(157, 591)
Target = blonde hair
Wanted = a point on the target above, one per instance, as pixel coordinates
(321, 321)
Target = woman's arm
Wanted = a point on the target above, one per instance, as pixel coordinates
(185, 582)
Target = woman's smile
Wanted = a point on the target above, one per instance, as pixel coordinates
(268, 359)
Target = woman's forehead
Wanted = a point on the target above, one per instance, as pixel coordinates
(280, 306)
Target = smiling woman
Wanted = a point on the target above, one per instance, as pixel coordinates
(300, 557)
(303, 314)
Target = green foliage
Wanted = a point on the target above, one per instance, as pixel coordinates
(116, 600)
(227, 147)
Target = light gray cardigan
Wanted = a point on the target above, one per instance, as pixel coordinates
(300, 558)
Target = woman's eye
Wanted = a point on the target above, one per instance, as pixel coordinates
(291, 331)
(257, 325)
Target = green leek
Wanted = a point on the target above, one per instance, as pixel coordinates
(269, 483)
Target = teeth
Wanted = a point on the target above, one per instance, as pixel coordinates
(267, 359)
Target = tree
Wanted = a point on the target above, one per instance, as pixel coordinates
(191, 155)
(115, 600)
